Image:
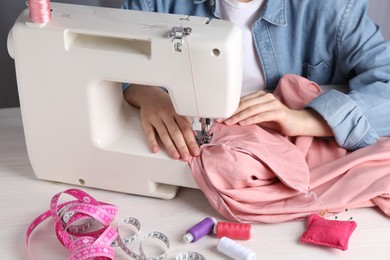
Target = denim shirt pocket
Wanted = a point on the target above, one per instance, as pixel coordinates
(319, 73)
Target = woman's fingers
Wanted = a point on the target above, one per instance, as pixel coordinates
(252, 106)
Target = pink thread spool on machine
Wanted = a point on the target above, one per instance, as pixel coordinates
(70, 63)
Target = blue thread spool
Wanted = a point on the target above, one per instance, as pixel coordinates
(201, 229)
(235, 250)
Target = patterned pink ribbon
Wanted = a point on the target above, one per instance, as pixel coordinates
(85, 210)
(74, 218)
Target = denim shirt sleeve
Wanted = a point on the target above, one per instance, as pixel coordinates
(359, 117)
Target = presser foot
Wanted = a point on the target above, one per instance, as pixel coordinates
(202, 138)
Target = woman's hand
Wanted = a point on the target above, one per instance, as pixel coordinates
(264, 109)
(160, 119)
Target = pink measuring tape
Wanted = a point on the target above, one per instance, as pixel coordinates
(74, 218)
(83, 210)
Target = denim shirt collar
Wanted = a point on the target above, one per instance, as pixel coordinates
(274, 11)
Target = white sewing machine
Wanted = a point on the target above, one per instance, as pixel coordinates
(78, 127)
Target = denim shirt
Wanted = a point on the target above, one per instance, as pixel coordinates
(328, 42)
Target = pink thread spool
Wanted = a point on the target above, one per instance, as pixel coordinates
(40, 11)
(233, 230)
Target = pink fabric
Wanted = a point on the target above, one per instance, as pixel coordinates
(251, 174)
(330, 233)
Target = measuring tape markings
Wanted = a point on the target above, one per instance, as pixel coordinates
(123, 242)
(99, 243)
(74, 218)
(190, 256)
(80, 245)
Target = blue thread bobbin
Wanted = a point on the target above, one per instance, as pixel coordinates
(199, 230)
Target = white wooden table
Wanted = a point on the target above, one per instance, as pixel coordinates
(23, 197)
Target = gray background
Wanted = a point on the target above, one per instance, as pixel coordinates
(9, 10)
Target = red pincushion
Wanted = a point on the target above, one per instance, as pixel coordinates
(330, 233)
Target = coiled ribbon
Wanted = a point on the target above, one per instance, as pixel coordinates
(74, 219)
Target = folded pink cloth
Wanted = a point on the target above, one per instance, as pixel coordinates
(253, 174)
